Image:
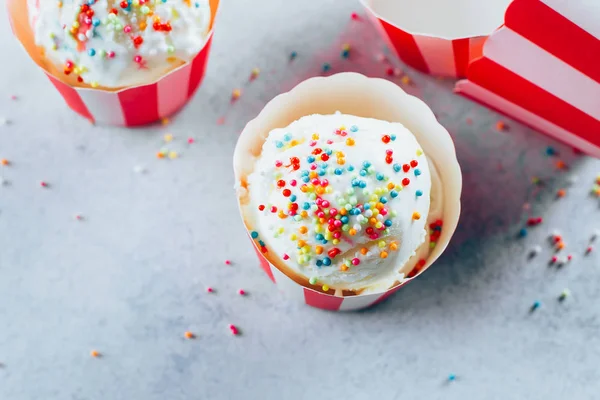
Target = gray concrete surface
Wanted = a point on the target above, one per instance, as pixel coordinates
(129, 279)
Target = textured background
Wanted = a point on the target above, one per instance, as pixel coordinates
(130, 278)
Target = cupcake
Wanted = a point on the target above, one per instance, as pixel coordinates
(347, 205)
(113, 48)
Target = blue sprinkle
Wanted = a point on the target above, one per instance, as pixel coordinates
(326, 67)
(344, 219)
(254, 234)
(304, 173)
(293, 198)
(397, 167)
(379, 176)
(306, 205)
(353, 128)
(287, 137)
(310, 159)
(367, 206)
(326, 261)
(362, 184)
(388, 222)
(305, 179)
(536, 304)
(417, 172)
(345, 53)
(451, 377)
(278, 144)
(293, 54)
(550, 151)
(350, 168)
(324, 165)
(319, 236)
(523, 232)
(261, 243)
(366, 164)
(419, 193)
(338, 171)
(92, 52)
(394, 194)
(383, 199)
(319, 263)
(322, 172)
(197, 5)
(95, 21)
(329, 152)
(354, 182)
(363, 172)
(393, 137)
(324, 241)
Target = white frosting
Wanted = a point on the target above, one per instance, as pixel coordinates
(349, 185)
(101, 47)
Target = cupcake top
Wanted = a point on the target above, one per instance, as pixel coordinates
(116, 44)
(341, 200)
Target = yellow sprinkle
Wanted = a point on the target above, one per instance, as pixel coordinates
(168, 137)
(236, 94)
(343, 211)
(379, 206)
(378, 225)
(320, 190)
(328, 189)
(343, 128)
(375, 212)
(54, 46)
(173, 155)
(325, 288)
(293, 236)
(405, 79)
(313, 174)
(383, 254)
(335, 241)
(419, 152)
(77, 70)
(255, 72)
(315, 136)
(304, 214)
(381, 244)
(346, 47)
(282, 215)
(280, 230)
(301, 243)
(416, 215)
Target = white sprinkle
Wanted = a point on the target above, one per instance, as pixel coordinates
(139, 169)
(81, 37)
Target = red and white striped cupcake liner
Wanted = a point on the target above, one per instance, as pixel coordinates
(544, 71)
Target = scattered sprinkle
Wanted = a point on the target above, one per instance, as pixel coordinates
(326, 67)
(234, 330)
(564, 294)
(451, 378)
(190, 140)
(354, 16)
(522, 232)
(210, 290)
(173, 155)
(95, 353)
(242, 292)
(44, 184)
(589, 250)
(189, 335)
(501, 126)
(236, 94)
(78, 217)
(293, 55)
(550, 151)
(168, 137)
(561, 193)
(227, 262)
(254, 74)
(406, 80)
(221, 121)
(536, 304)
(4, 162)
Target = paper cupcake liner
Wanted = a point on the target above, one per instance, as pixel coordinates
(131, 106)
(354, 94)
(544, 71)
(447, 54)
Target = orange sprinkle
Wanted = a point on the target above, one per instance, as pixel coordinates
(143, 26)
(561, 193)
(344, 267)
(95, 353)
(341, 161)
(364, 251)
(320, 190)
(560, 245)
(189, 335)
(560, 164)
(165, 121)
(160, 154)
(390, 186)
(416, 215)
(304, 214)
(343, 211)
(393, 246)
(304, 188)
(372, 220)
(406, 80)
(281, 214)
(352, 232)
(303, 229)
(4, 161)
(319, 249)
(322, 220)
(383, 254)
(379, 206)
(301, 243)
(313, 174)
(350, 142)
(501, 126)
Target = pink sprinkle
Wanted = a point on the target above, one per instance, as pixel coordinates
(190, 140)
(589, 250)
(233, 329)
(355, 261)
(241, 292)
(221, 121)
(286, 257)
(354, 16)
(43, 184)
(209, 289)
(333, 212)
(13, 97)
(127, 29)
(329, 141)
(227, 262)
(554, 259)
(293, 182)
(389, 152)
(569, 257)
(78, 217)
(278, 163)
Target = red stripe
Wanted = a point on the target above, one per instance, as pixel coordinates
(322, 301)
(388, 293)
(461, 56)
(405, 46)
(72, 98)
(140, 105)
(556, 34)
(264, 264)
(199, 68)
(525, 94)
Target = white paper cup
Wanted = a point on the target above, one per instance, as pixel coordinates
(355, 94)
(129, 106)
(438, 37)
